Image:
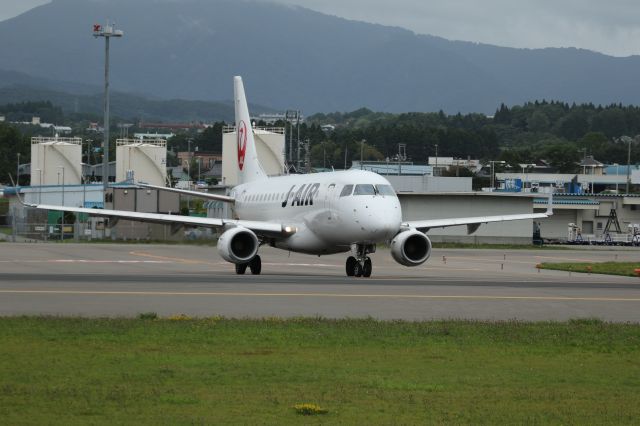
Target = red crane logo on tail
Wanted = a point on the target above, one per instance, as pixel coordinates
(242, 143)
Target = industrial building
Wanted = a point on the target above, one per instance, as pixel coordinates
(595, 217)
(142, 161)
(56, 161)
(270, 144)
(57, 177)
(593, 204)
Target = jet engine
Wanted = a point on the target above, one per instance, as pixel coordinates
(238, 245)
(411, 248)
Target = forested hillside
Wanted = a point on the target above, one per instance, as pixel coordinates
(294, 58)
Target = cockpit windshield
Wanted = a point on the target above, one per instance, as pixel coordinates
(364, 189)
(346, 191)
(385, 190)
(367, 189)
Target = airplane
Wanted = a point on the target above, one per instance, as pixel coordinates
(317, 214)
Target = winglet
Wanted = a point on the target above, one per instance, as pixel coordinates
(549, 211)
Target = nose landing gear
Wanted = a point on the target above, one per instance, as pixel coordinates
(360, 265)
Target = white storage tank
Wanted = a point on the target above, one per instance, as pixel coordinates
(145, 160)
(56, 161)
(270, 145)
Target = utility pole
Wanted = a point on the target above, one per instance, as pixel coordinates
(298, 131)
(346, 149)
(18, 172)
(584, 161)
(189, 159)
(324, 155)
(39, 185)
(62, 167)
(436, 168)
(362, 152)
(628, 140)
(107, 32)
(629, 167)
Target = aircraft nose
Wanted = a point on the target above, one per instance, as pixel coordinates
(384, 222)
(389, 222)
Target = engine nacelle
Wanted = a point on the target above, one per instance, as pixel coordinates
(411, 248)
(238, 245)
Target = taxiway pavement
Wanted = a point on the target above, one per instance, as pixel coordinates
(125, 280)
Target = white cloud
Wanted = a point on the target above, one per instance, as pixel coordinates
(11, 8)
(610, 27)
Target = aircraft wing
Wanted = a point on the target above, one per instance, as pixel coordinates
(198, 194)
(473, 223)
(260, 228)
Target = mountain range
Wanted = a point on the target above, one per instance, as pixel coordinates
(17, 87)
(292, 57)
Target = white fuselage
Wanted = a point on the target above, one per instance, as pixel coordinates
(327, 220)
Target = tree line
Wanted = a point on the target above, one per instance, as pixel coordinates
(557, 132)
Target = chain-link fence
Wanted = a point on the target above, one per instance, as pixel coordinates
(100, 230)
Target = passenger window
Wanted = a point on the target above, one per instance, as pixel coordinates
(346, 191)
(385, 190)
(364, 190)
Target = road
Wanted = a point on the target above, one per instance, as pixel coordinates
(125, 280)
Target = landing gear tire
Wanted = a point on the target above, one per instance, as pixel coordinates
(241, 268)
(256, 265)
(351, 264)
(357, 270)
(367, 268)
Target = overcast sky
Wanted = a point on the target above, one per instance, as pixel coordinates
(611, 27)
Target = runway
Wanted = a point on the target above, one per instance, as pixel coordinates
(125, 280)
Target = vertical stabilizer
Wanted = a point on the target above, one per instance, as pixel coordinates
(249, 168)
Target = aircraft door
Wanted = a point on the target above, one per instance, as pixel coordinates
(329, 196)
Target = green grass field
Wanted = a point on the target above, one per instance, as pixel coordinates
(608, 268)
(221, 371)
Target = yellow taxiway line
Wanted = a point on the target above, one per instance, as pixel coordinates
(323, 295)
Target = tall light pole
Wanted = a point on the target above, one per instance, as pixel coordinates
(107, 32)
(18, 172)
(362, 152)
(493, 179)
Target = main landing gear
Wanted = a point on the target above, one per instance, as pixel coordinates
(360, 265)
(255, 265)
